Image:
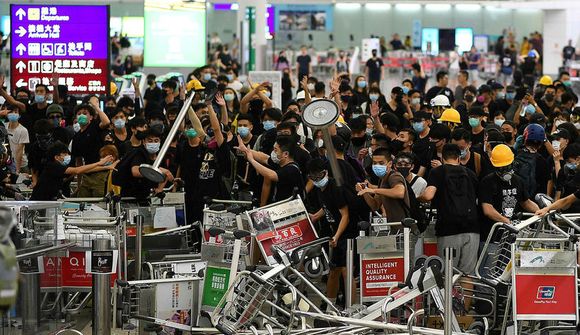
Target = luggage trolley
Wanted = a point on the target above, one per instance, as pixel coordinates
(70, 271)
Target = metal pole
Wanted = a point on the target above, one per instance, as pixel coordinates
(102, 294)
(336, 173)
(138, 245)
(30, 291)
(349, 271)
(448, 312)
(152, 172)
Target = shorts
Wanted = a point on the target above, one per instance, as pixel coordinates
(338, 254)
(466, 246)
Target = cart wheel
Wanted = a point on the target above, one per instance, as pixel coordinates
(477, 327)
(420, 261)
(434, 262)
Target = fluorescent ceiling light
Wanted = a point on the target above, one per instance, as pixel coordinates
(438, 7)
(235, 6)
(468, 6)
(408, 6)
(348, 5)
(378, 6)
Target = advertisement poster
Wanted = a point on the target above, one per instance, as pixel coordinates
(539, 295)
(378, 275)
(68, 271)
(101, 262)
(71, 41)
(284, 224)
(174, 302)
(215, 285)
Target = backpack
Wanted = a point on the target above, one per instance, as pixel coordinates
(414, 209)
(525, 168)
(459, 199)
(122, 172)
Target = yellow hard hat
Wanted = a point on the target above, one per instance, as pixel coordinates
(195, 85)
(502, 156)
(450, 115)
(256, 85)
(113, 88)
(546, 81)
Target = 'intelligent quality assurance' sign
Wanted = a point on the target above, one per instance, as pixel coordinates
(71, 41)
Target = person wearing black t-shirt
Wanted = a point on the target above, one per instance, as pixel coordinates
(245, 175)
(502, 194)
(338, 209)
(287, 175)
(374, 70)
(50, 181)
(303, 67)
(568, 52)
(441, 88)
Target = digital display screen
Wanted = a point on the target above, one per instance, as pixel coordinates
(71, 41)
(175, 38)
(430, 41)
(463, 39)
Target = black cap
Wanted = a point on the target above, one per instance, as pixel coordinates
(420, 115)
(338, 143)
(492, 127)
(484, 89)
(510, 88)
(496, 86)
(561, 133)
(538, 118)
(476, 110)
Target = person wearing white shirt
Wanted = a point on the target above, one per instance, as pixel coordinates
(17, 138)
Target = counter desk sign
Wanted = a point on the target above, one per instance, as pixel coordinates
(101, 262)
(69, 41)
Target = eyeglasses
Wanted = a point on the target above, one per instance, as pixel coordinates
(317, 176)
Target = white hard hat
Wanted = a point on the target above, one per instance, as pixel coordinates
(440, 100)
(300, 96)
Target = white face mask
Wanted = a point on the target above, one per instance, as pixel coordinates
(319, 143)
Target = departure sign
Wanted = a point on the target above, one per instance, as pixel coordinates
(70, 41)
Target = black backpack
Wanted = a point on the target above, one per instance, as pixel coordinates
(122, 173)
(414, 209)
(459, 199)
(525, 168)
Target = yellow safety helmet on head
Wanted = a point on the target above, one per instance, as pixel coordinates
(501, 156)
(450, 115)
(195, 85)
(546, 81)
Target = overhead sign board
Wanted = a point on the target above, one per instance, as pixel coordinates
(71, 41)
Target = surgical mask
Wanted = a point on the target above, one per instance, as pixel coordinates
(499, 122)
(140, 135)
(206, 76)
(500, 95)
(13, 117)
(39, 98)
(369, 131)
(82, 120)
(152, 148)
(415, 101)
(66, 160)
(469, 98)
(567, 83)
(56, 123)
(481, 99)
(510, 95)
(380, 170)
(549, 97)
(361, 84)
(418, 127)
(374, 97)
(310, 87)
(229, 97)
(321, 183)
(405, 89)
(508, 136)
(76, 127)
(243, 131)
(355, 115)
(267, 94)
(530, 109)
(269, 124)
(345, 98)
(397, 145)
(404, 171)
(358, 141)
(463, 154)
(571, 166)
(119, 123)
(274, 157)
(191, 133)
(474, 122)
(559, 122)
(230, 77)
